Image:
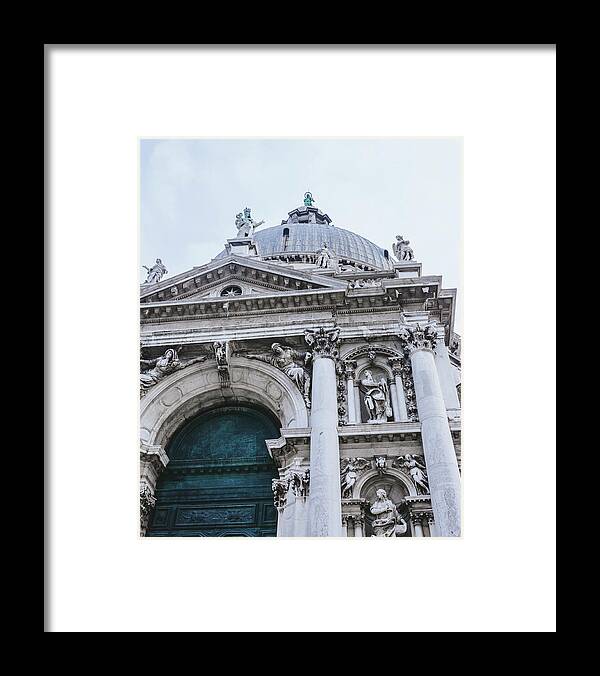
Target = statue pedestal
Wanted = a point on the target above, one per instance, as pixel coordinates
(242, 246)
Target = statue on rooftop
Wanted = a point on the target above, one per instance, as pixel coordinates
(324, 257)
(155, 273)
(308, 199)
(245, 224)
(401, 249)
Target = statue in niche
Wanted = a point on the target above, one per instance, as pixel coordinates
(350, 469)
(324, 257)
(401, 249)
(417, 472)
(376, 398)
(162, 367)
(388, 523)
(245, 224)
(292, 362)
(155, 273)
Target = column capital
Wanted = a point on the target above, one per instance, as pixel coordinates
(323, 342)
(397, 365)
(418, 337)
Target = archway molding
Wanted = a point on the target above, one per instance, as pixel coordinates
(196, 389)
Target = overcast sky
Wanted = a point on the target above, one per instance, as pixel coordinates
(191, 191)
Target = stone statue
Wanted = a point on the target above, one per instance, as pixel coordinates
(163, 366)
(417, 472)
(350, 469)
(401, 249)
(324, 257)
(388, 522)
(245, 224)
(155, 273)
(377, 398)
(293, 363)
(308, 199)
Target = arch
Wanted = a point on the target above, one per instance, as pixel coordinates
(219, 476)
(368, 477)
(197, 388)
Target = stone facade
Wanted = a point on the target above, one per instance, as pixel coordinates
(352, 351)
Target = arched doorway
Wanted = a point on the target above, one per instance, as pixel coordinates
(218, 480)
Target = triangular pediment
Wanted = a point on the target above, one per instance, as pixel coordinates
(232, 275)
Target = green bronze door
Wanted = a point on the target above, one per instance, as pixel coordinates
(218, 480)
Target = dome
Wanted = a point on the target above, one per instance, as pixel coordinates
(296, 237)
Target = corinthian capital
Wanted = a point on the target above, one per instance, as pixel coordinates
(418, 337)
(323, 343)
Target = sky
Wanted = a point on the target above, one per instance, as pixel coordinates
(192, 189)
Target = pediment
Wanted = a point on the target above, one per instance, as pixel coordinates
(252, 277)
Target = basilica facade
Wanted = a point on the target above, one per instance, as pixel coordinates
(304, 382)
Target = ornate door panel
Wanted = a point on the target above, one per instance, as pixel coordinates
(218, 480)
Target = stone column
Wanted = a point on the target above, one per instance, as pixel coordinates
(416, 524)
(344, 525)
(325, 498)
(440, 457)
(446, 377)
(153, 460)
(400, 401)
(431, 525)
(358, 527)
(349, 367)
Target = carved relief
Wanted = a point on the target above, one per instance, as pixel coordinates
(414, 466)
(280, 490)
(221, 350)
(159, 368)
(147, 502)
(350, 470)
(380, 463)
(292, 362)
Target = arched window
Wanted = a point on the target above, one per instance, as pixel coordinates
(231, 291)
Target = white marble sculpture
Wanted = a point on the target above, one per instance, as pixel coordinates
(163, 366)
(245, 224)
(350, 469)
(155, 273)
(417, 472)
(324, 257)
(292, 362)
(376, 397)
(388, 522)
(401, 250)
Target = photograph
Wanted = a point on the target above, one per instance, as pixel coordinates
(300, 349)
